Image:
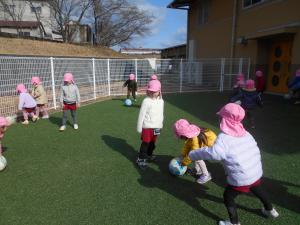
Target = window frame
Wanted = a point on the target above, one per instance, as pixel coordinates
(253, 4)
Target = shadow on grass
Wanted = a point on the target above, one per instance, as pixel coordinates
(272, 122)
(182, 189)
(58, 121)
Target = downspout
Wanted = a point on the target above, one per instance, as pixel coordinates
(233, 29)
(187, 35)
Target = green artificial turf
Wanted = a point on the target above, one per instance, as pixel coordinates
(89, 176)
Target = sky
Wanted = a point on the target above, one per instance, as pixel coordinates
(168, 27)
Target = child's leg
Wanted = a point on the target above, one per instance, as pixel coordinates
(133, 94)
(25, 114)
(229, 196)
(44, 110)
(128, 93)
(143, 154)
(65, 117)
(38, 110)
(151, 148)
(261, 194)
(201, 168)
(74, 116)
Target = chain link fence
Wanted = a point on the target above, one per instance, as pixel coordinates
(98, 78)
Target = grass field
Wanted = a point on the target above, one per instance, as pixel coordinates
(89, 176)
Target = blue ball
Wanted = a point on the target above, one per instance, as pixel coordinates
(128, 102)
(176, 168)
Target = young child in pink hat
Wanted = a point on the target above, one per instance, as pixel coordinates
(153, 77)
(239, 84)
(150, 122)
(4, 124)
(260, 82)
(39, 94)
(194, 138)
(70, 100)
(131, 86)
(249, 99)
(26, 104)
(241, 159)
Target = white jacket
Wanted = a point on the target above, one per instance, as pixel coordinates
(151, 114)
(240, 156)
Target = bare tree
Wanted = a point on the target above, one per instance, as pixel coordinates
(65, 11)
(117, 22)
(14, 10)
(37, 16)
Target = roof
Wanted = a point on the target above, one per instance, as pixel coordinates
(180, 4)
(175, 46)
(19, 24)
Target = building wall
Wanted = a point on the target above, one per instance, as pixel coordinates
(212, 39)
(176, 52)
(23, 10)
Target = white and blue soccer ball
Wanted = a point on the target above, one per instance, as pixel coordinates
(3, 163)
(128, 102)
(175, 167)
(11, 119)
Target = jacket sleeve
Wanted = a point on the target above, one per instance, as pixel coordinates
(142, 115)
(215, 152)
(61, 99)
(77, 94)
(236, 97)
(125, 83)
(189, 145)
(37, 92)
(211, 137)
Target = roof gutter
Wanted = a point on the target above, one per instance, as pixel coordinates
(233, 29)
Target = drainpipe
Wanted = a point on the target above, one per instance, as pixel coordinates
(233, 29)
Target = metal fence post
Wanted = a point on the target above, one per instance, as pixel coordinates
(249, 65)
(94, 78)
(136, 69)
(180, 76)
(222, 74)
(241, 65)
(53, 83)
(108, 76)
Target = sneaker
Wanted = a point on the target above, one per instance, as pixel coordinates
(62, 128)
(142, 163)
(151, 157)
(270, 213)
(35, 118)
(45, 117)
(203, 179)
(25, 122)
(227, 222)
(76, 126)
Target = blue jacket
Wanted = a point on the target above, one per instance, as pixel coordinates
(249, 99)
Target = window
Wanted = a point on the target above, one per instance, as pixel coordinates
(249, 3)
(204, 8)
(36, 9)
(24, 34)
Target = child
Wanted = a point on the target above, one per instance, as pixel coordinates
(260, 82)
(40, 97)
(194, 138)
(241, 158)
(294, 87)
(239, 84)
(153, 77)
(26, 104)
(3, 127)
(249, 100)
(150, 122)
(70, 100)
(131, 86)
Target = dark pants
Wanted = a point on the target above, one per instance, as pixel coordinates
(230, 195)
(65, 117)
(250, 117)
(132, 91)
(146, 149)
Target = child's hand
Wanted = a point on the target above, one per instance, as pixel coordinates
(78, 105)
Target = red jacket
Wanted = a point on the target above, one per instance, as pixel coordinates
(260, 84)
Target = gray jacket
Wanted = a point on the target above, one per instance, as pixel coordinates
(70, 94)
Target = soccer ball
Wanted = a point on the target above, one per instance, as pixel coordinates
(128, 102)
(3, 163)
(11, 120)
(175, 167)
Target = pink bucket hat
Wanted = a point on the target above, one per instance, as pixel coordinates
(35, 80)
(250, 85)
(153, 77)
(131, 76)
(21, 88)
(259, 73)
(154, 86)
(240, 77)
(68, 77)
(298, 73)
(183, 128)
(232, 114)
(3, 122)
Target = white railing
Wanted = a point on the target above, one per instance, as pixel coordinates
(98, 78)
